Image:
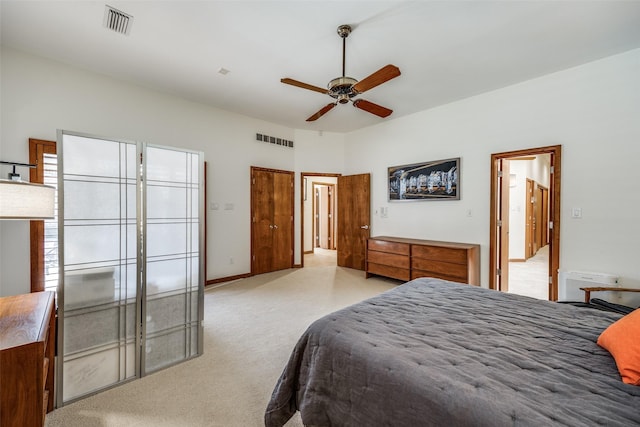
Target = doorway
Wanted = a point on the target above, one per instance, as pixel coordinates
(525, 222)
(351, 220)
(318, 220)
(324, 229)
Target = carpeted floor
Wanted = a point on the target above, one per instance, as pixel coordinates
(251, 326)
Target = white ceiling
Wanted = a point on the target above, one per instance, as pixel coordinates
(446, 50)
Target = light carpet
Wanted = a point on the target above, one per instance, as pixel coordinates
(250, 328)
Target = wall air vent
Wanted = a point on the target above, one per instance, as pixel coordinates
(117, 20)
(274, 140)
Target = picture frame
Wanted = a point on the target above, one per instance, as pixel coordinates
(431, 180)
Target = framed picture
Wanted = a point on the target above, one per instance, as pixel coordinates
(435, 180)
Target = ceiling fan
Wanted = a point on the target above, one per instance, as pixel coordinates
(344, 89)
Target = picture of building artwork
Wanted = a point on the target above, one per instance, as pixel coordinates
(436, 180)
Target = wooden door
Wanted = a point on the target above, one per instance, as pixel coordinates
(529, 226)
(499, 262)
(271, 220)
(261, 222)
(282, 231)
(354, 216)
(323, 217)
(539, 206)
(331, 209)
(544, 224)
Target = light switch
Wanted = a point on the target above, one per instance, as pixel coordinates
(576, 213)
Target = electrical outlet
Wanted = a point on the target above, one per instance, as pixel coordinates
(230, 260)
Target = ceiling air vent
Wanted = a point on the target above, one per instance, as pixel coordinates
(117, 21)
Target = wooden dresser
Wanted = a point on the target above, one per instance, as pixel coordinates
(408, 259)
(27, 352)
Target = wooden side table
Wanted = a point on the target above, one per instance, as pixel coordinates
(587, 291)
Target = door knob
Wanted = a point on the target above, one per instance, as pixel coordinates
(364, 227)
(271, 226)
(275, 226)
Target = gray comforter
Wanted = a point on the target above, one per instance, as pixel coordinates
(436, 353)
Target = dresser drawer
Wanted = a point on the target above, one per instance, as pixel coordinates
(416, 274)
(458, 256)
(389, 271)
(385, 258)
(439, 267)
(390, 247)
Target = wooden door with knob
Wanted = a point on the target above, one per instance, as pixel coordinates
(271, 220)
(354, 219)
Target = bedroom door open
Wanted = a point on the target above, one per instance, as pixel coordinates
(512, 266)
(354, 219)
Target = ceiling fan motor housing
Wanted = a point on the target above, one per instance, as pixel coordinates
(340, 88)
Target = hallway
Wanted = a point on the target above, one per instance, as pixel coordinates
(531, 278)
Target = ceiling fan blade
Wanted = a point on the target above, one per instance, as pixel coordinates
(372, 108)
(322, 112)
(304, 85)
(384, 74)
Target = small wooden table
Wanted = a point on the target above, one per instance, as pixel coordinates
(587, 291)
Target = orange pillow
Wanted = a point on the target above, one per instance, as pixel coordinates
(622, 340)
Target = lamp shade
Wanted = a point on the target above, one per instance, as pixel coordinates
(24, 200)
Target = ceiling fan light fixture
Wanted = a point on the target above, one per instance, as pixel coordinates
(343, 99)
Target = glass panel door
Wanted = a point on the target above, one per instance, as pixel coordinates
(97, 295)
(173, 311)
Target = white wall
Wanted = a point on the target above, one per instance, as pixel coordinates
(39, 96)
(591, 110)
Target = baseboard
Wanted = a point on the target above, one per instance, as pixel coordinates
(308, 252)
(517, 260)
(297, 265)
(227, 279)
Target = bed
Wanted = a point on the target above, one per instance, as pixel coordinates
(437, 353)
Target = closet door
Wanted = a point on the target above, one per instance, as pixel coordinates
(271, 220)
(261, 221)
(172, 310)
(97, 293)
(282, 233)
